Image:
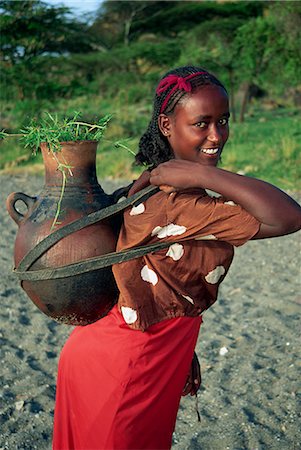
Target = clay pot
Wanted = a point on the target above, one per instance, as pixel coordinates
(84, 298)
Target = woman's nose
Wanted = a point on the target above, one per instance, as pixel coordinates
(214, 134)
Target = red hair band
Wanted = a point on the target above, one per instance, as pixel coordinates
(179, 83)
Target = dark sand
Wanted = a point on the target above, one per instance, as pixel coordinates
(250, 397)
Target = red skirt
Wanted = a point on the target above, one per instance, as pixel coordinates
(120, 388)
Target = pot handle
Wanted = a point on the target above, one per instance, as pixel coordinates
(121, 192)
(11, 208)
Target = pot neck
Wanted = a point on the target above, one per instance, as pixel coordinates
(77, 159)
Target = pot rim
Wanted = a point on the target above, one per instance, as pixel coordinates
(79, 141)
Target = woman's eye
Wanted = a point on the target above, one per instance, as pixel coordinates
(201, 124)
(224, 121)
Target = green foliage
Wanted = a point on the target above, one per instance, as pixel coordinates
(257, 33)
(32, 34)
(49, 55)
(42, 77)
(125, 21)
(156, 53)
(179, 16)
(30, 28)
(53, 131)
(114, 20)
(51, 61)
(268, 48)
(284, 52)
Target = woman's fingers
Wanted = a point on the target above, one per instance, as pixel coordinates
(142, 182)
(179, 174)
(167, 189)
(155, 177)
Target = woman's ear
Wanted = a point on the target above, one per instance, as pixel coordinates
(164, 125)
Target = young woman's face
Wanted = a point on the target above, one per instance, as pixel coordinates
(198, 129)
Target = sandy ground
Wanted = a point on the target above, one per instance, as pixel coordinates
(250, 398)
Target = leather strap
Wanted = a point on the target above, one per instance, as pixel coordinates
(23, 273)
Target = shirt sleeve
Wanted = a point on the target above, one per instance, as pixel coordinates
(206, 218)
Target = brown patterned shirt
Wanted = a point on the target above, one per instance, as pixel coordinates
(183, 279)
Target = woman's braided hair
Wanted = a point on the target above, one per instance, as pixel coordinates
(153, 146)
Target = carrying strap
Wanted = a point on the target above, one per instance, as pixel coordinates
(87, 265)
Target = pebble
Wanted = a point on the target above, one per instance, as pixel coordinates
(223, 351)
(19, 405)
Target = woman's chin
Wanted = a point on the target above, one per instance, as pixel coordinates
(213, 162)
(209, 160)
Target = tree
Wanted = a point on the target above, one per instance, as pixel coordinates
(173, 17)
(268, 50)
(115, 19)
(31, 28)
(212, 45)
(285, 48)
(31, 33)
(251, 44)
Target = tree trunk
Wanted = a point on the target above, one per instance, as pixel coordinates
(245, 101)
(231, 96)
(127, 28)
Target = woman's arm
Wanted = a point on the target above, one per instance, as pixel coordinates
(278, 213)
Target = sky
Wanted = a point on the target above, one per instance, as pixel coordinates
(78, 7)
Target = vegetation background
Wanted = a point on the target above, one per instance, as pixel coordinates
(110, 62)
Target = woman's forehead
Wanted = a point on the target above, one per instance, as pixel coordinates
(207, 100)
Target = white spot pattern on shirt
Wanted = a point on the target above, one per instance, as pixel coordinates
(149, 275)
(139, 209)
(129, 314)
(169, 230)
(230, 202)
(188, 298)
(175, 251)
(212, 194)
(215, 274)
(209, 237)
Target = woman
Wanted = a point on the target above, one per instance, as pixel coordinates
(120, 379)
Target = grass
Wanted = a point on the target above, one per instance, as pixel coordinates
(116, 163)
(265, 146)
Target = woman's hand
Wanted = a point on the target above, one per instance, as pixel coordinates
(194, 378)
(140, 183)
(175, 175)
